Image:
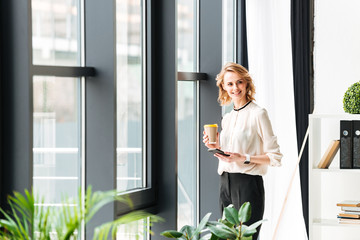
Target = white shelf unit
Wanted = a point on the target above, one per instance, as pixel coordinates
(327, 187)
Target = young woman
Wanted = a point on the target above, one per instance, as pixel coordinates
(248, 138)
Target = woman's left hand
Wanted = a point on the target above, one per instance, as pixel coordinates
(234, 157)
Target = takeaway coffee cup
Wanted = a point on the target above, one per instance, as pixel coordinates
(211, 131)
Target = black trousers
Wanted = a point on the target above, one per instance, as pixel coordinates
(237, 188)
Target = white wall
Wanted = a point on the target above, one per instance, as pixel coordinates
(336, 52)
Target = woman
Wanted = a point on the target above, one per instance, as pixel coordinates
(248, 138)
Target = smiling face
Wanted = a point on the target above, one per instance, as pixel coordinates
(235, 87)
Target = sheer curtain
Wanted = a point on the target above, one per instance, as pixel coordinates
(270, 65)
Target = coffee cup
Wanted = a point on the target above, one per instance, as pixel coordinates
(211, 131)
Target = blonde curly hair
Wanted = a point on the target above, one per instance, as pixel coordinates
(224, 98)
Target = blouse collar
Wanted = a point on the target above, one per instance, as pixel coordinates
(238, 109)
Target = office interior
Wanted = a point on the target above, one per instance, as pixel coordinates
(114, 94)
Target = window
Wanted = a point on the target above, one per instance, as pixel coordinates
(57, 137)
(66, 61)
(228, 38)
(130, 94)
(56, 32)
(229, 30)
(57, 100)
(187, 113)
(136, 230)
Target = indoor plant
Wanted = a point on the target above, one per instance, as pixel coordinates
(27, 220)
(351, 100)
(230, 226)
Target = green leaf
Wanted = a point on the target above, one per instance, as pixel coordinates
(245, 212)
(202, 224)
(231, 215)
(188, 231)
(246, 232)
(351, 100)
(246, 238)
(222, 231)
(25, 218)
(214, 237)
(256, 224)
(227, 223)
(172, 234)
(223, 217)
(210, 236)
(131, 217)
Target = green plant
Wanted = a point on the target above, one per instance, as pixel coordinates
(188, 232)
(351, 100)
(231, 226)
(28, 220)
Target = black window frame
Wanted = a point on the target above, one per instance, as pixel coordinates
(100, 83)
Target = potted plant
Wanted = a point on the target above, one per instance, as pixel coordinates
(351, 100)
(231, 226)
(27, 220)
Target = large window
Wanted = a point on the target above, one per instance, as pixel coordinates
(57, 101)
(229, 31)
(229, 37)
(56, 32)
(82, 97)
(130, 74)
(187, 113)
(57, 137)
(58, 81)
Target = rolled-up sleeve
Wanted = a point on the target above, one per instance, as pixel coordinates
(270, 145)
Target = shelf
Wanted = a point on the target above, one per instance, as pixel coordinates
(332, 223)
(344, 116)
(335, 170)
(329, 186)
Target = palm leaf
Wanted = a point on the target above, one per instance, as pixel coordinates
(94, 202)
(21, 224)
(25, 218)
(15, 226)
(105, 229)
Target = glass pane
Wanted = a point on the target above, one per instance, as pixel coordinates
(56, 137)
(187, 112)
(136, 230)
(187, 165)
(187, 39)
(229, 30)
(228, 39)
(55, 32)
(129, 67)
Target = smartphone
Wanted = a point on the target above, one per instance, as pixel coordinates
(216, 150)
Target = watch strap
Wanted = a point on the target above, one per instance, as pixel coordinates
(247, 159)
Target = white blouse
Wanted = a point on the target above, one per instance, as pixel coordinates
(248, 131)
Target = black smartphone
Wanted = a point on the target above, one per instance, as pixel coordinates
(216, 150)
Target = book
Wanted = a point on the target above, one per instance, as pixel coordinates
(349, 221)
(356, 144)
(329, 154)
(346, 144)
(350, 209)
(349, 203)
(349, 215)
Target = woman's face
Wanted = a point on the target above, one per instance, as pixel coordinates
(235, 87)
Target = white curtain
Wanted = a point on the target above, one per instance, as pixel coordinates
(270, 65)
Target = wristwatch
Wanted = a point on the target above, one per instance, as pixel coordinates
(247, 160)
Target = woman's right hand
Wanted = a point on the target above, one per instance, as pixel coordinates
(206, 141)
